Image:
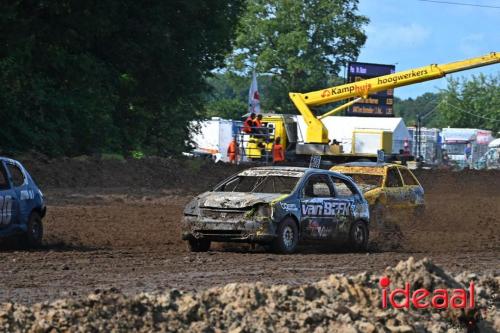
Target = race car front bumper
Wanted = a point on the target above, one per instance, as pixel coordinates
(249, 231)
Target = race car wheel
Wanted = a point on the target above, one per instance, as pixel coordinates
(418, 212)
(33, 236)
(359, 236)
(287, 237)
(198, 245)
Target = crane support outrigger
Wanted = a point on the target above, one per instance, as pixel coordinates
(317, 134)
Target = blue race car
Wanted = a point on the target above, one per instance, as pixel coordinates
(22, 205)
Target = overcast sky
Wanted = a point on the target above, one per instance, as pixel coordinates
(413, 33)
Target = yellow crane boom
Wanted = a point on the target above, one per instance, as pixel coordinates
(316, 131)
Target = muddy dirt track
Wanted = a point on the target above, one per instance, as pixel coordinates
(116, 224)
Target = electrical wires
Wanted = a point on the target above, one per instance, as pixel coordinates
(461, 4)
(468, 112)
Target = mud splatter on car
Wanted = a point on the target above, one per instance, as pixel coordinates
(387, 187)
(279, 207)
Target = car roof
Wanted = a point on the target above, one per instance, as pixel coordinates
(288, 170)
(7, 159)
(369, 168)
(367, 164)
(283, 168)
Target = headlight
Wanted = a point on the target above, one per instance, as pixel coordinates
(263, 211)
(192, 208)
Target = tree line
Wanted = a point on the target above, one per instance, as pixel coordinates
(465, 102)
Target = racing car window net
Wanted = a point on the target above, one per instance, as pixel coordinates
(343, 188)
(260, 184)
(393, 178)
(317, 186)
(4, 185)
(17, 175)
(407, 177)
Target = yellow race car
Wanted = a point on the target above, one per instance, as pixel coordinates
(390, 189)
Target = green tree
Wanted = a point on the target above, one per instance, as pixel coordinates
(471, 103)
(226, 108)
(409, 108)
(80, 77)
(227, 97)
(299, 45)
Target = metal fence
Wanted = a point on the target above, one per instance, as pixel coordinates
(256, 145)
(430, 147)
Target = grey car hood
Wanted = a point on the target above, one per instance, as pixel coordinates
(234, 199)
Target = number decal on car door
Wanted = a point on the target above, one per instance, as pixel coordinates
(5, 209)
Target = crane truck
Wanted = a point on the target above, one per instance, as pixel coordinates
(316, 140)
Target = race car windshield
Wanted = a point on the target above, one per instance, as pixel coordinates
(366, 182)
(260, 184)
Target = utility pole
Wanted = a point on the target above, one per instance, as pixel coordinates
(419, 136)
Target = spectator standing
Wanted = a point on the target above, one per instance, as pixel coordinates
(278, 152)
(232, 151)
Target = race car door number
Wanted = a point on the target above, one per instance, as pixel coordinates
(5, 209)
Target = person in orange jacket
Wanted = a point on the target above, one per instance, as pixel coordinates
(257, 123)
(278, 153)
(249, 124)
(232, 151)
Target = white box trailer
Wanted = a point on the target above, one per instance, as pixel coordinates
(212, 137)
(343, 129)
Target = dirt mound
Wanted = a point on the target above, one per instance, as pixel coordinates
(337, 304)
(152, 172)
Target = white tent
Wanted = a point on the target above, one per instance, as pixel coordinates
(341, 129)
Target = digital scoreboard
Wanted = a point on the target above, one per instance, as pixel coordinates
(377, 104)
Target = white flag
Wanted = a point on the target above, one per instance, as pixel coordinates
(253, 96)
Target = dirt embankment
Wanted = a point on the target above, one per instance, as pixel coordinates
(190, 175)
(337, 304)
